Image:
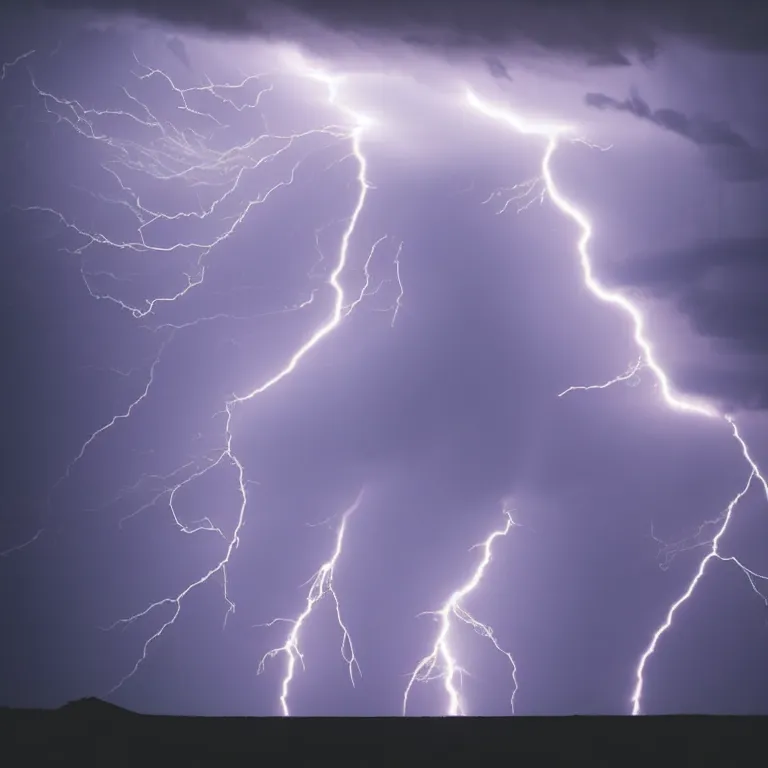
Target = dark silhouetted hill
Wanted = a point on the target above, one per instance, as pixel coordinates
(98, 731)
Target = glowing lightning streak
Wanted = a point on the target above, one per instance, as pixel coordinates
(553, 132)
(626, 376)
(366, 271)
(686, 404)
(8, 65)
(322, 584)
(338, 306)
(324, 330)
(441, 654)
(118, 417)
(160, 161)
(182, 151)
(713, 554)
(399, 300)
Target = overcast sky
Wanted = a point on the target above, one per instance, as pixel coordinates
(157, 266)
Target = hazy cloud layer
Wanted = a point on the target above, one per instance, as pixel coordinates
(601, 31)
(728, 152)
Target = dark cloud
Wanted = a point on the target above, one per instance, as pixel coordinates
(700, 130)
(734, 389)
(609, 59)
(716, 285)
(744, 164)
(179, 50)
(497, 68)
(728, 152)
(599, 30)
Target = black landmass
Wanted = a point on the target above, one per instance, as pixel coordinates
(98, 732)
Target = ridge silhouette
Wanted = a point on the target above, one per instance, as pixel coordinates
(99, 730)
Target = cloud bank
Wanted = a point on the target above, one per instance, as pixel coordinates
(601, 31)
(717, 286)
(728, 152)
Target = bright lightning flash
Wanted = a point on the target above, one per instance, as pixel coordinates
(441, 662)
(322, 585)
(319, 334)
(553, 133)
(187, 156)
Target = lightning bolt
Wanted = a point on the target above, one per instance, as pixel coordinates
(554, 133)
(441, 661)
(322, 585)
(188, 157)
(126, 414)
(176, 155)
(628, 376)
(9, 65)
(316, 337)
(18, 547)
(185, 156)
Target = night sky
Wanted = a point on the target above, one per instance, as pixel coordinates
(193, 199)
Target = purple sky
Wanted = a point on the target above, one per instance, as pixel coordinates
(437, 395)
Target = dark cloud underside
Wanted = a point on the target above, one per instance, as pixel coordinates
(729, 154)
(717, 286)
(598, 29)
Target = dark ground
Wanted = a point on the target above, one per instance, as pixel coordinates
(93, 729)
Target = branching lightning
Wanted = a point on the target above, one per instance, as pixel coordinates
(126, 414)
(714, 554)
(553, 133)
(318, 335)
(321, 585)
(174, 155)
(628, 376)
(441, 662)
(186, 156)
(9, 65)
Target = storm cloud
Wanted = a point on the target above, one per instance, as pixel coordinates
(177, 47)
(728, 152)
(497, 68)
(717, 286)
(600, 31)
